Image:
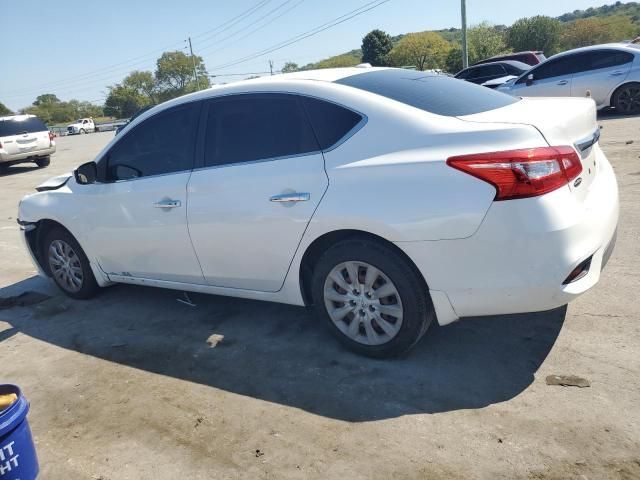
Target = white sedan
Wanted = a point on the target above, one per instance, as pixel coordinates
(385, 198)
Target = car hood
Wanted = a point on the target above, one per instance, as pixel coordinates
(55, 182)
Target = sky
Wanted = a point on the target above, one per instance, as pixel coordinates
(76, 48)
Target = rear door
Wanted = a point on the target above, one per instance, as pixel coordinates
(599, 72)
(24, 135)
(261, 180)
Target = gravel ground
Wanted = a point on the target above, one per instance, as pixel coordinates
(135, 385)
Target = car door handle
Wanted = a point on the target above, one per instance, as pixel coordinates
(563, 82)
(616, 74)
(291, 197)
(167, 204)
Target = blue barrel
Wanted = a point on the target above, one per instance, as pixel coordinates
(18, 460)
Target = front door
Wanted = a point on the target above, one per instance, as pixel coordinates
(550, 79)
(140, 206)
(262, 179)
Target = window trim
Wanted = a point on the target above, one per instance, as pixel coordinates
(200, 158)
(102, 163)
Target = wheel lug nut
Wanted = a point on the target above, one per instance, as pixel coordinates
(372, 308)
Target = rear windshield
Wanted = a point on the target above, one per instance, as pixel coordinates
(26, 125)
(433, 93)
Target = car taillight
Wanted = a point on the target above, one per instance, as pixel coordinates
(522, 173)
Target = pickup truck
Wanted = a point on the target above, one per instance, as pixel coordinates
(81, 126)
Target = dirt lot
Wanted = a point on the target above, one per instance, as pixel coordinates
(135, 385)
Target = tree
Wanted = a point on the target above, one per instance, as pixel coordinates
(290, 67)
(375, 46)
(143, 83)
(453, 62)
(535, 33)
(592, 31)
(123, 101)
(422, 50)
(485, 41)
(46, 99)
(174, 74)
(4, 110)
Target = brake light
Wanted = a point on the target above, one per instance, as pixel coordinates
(522, 173)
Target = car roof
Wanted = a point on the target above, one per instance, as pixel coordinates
(629, 47)
(16, 117)
(514, 63)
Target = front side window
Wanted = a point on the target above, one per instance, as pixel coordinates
(250, 127)
(163, 143)
(552, 68)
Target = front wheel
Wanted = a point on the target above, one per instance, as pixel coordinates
(627, 99)
(43, 161)
(68, 265)
(373, 300)
(82, 132)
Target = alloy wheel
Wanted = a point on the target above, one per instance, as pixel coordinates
(363, 303)
(65, 266)
(629, 100)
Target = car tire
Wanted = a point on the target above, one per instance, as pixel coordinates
(626, 100)
(68, 265)
(43, 161)
(82, 132)
(389, 325)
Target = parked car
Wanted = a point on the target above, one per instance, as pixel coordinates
(496, 82)
(23, 139)
(494, 70)
(530, 58)
(81, 126)
(133, 117)
(385, 198)
(610, 74)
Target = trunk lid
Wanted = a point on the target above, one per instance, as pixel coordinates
(561, 121)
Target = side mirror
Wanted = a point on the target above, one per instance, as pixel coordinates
(530, 79)
(86, 173)
(125, 172)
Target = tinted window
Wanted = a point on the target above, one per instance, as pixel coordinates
(163, 143)
(553, 68)
(24, 125)
(330, 122)
(605, 59)
(244, 128)
(491, 70)
(433, 93)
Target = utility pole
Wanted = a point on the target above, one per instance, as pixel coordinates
(271, 66)
(193, 61)
(465, 53)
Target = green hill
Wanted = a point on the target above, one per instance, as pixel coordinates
(629, 9)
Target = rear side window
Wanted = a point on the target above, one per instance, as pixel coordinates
(19, 126)
(607, 59)
(331, 122)
(437, 94)
(161, 144)
(245, 128)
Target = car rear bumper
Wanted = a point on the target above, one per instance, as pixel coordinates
(18, 157)
(523, 251)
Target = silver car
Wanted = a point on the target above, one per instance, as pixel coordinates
(25, 138)
(610, 74)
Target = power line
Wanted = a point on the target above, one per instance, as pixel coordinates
(309, 33)
(128, 63)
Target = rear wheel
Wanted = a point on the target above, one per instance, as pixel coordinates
(626, 100)
(68, 265)
(43, 161)
(374, 302)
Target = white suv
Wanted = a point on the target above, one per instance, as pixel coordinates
(25, 138)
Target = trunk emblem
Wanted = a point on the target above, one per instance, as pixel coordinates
(577, 182)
